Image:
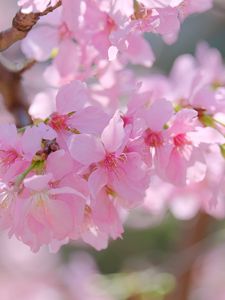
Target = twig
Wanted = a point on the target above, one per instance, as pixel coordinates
(21, 25)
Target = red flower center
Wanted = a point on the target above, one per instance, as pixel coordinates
(8, 157)
(64, 31)
(111, 161)
(110, 23)
(59, 122)
(180, 140)
(153, 139)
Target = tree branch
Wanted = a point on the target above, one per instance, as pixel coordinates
(192, 236)
(21, 25)
(13, 95)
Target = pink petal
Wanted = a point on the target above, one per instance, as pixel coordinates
(159, 114)
(101, 43)
(55, 245)
(184, 121)
(161, 158)
(75, 181)
(169, 24)
(90, 120)
(71, 12)
(97, 180)
(68, 68)
(86, 149)
(37, 182)
(98, 239)
(139, 51)
(206, 135)
(6, 131)
(59, 218)
(40, 42)
(134, 166)
(59, 170)
(114, 134)
(72, 97)
(176, 169)
(66, 190)
(106, 216)
(129, 193)
(46, 131)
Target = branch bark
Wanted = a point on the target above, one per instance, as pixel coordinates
(12, 92)
(21, 25)
(191, 239)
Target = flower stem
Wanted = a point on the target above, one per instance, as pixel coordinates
(22, 176)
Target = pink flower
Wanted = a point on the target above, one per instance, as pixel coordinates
(101, 221)
(122, 172)
(50, 35)
(155, 136)
(45, 212)
(74, 112)
(186, 159)
(7, 204)
(11, 157)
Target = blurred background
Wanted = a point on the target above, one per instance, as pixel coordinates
(159, 256)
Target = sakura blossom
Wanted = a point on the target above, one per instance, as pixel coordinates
(84, 166)
(103, 138)
(112, 149)
(93, 32)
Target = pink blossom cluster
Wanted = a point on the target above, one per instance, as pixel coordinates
(92, 33)
(194, 82)
(72, 175)
(101, 148)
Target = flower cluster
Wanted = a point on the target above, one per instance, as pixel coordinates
(73, 174)
(88, 158)
(198, 83)
(91, 32)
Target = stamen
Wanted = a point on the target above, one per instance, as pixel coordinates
(153, 139)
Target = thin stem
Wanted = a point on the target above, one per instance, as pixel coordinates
(21, 177)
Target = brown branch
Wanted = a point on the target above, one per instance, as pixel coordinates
(10, 74)
(21, 25)
(13, 95)
(191, 237)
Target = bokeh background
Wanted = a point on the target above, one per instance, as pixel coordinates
(159, 257)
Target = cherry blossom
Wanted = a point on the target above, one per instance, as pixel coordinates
(35, 5)
(104, 139)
